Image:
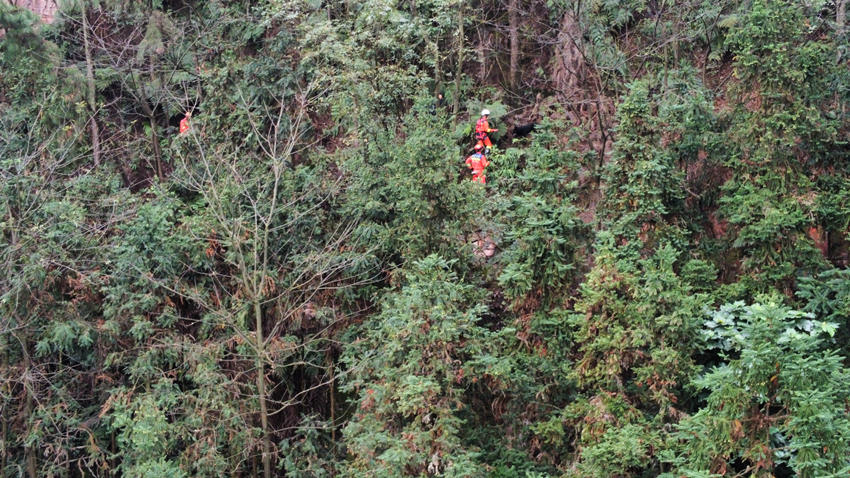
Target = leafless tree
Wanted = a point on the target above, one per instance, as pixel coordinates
(277, 278)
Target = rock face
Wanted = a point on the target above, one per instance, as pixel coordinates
(46, 9)
(580, 88)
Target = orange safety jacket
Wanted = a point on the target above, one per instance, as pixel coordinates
(477, 162)
(482, 127)
(184, 124)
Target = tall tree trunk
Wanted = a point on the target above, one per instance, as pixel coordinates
(30, 458)
(32, 465)
(149, 112)
(157, 152)
(30, 451)
(840, 21)
(482, 58)
(459, 46)
(5, 339)
(90, 93)
(7, 391)
(513, 21)
(261, 390)
(331, 395)
(434, 49)
(113, 447)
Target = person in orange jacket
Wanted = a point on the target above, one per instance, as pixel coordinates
(482, 129)
(184, 123)
(477, 162)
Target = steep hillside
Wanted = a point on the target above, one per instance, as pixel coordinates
(243, 239)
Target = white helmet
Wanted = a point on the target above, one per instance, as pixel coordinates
(485, 112)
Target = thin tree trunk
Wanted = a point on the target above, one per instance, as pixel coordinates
(840, 21)
(459, 69)
(32, 465)
(332, 400)
(5, 432)
(4, 346)
(149, 112)
(438, 73)
(261, 390)
(113, 472)
(482, 58)
(90, 93)
(157, 152)
(4, 341)
(513, 20)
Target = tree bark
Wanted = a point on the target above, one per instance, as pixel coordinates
(157, 152)
(149, 113)
(331, 393)
(482, 58)
(459, 45)
(7, 390)
(261, 390)
(438, 72)
(90, 90)
(513, 25)
(840, 21)
(32, 465)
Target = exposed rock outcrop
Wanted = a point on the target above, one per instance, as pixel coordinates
(46, 9)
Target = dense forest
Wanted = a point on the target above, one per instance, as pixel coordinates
(302, 280)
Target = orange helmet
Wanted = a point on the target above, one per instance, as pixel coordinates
(478, 146)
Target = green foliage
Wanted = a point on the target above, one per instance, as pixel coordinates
(831, 205)
(626, 447)
(308, 284)
(408, 371)
(644, 191)
(634, 330)
(781, 126)
(827, 296)
(408, 196)
(771, 47)
(542, 251)
(542, 236)
(23, 48)
(641, 306)
(310, 453)
(779, 398)
(38, 100)
(771, 222)
(144, 433)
